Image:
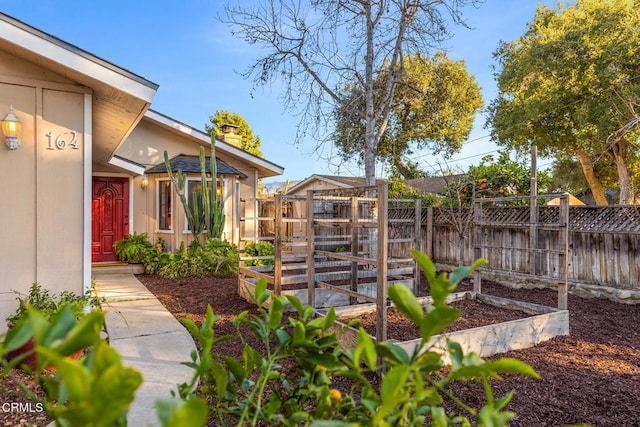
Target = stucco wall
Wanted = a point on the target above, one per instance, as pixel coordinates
(41, 183)
(146, 146)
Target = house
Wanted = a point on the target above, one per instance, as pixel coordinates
(327, 182)
(586, 196)
(433, 184)
(573, 201)
(74, 179)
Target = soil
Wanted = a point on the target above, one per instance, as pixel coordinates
(590, 377)
(474, 314)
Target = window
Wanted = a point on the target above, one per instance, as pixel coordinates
(164, 205)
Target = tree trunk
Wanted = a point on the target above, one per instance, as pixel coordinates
(370, 143)
(595, 185)
(402, 168)
(370, 160)
(620, 156)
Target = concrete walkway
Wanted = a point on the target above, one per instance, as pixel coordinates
(148, 338)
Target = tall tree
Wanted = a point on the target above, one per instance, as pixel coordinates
(571, 85)
(322, 46)
(249, 142)
(435, 103)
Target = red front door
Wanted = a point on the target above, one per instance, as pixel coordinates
(110, 216)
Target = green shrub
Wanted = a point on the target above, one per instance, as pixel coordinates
(217, 257)
(155, 259)
(49, 304)
(304, 377)
(76, 395)
(133, 247)
(259, 249)
(223, 256)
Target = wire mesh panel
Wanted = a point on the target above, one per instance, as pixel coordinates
(404, 235)
(347, 247)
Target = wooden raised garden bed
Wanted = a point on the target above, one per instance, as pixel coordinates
(536, 323)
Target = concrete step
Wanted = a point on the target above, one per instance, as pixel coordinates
(116, 268)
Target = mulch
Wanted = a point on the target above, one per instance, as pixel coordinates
(474, 315)
(590, 377)
(16, 410)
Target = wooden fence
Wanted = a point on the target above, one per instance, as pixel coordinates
(604, 242)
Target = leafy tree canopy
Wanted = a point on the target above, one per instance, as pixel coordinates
(496, 178)
(567, 174)
(248, 143)
(435, 104)
(571, 85)
(398, 189)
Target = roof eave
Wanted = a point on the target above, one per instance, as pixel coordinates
(72, 57)
(265, 167)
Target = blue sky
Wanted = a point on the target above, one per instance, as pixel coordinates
(181, 46)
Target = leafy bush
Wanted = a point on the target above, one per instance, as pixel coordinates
(76, 394)
(217, 257)
(259, 249)
(133, 247)
(156, 258)
(96, 390)
(49, 304)
(398, 189)
(293, 382)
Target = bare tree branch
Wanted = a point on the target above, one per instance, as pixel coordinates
(321, 48)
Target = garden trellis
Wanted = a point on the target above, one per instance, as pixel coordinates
(343, 247)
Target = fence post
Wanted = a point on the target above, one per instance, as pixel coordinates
(563, 247)
(418, 243)
(311, 284)
(428, 244)
(533, 212)
(381, 263)
(477, 244)
(354, 247)
(277, 243)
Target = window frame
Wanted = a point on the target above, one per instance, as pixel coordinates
(159, 187)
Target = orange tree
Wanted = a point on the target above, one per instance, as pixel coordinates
(496, 178)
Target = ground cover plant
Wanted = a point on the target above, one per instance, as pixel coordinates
(216, 257)
(259, 249)
(589, 377)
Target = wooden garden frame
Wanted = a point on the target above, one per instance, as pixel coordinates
(356, 265)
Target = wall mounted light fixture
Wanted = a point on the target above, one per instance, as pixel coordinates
(145, 181)
(11, 127)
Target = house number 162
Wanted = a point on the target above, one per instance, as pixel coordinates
(62, 140)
